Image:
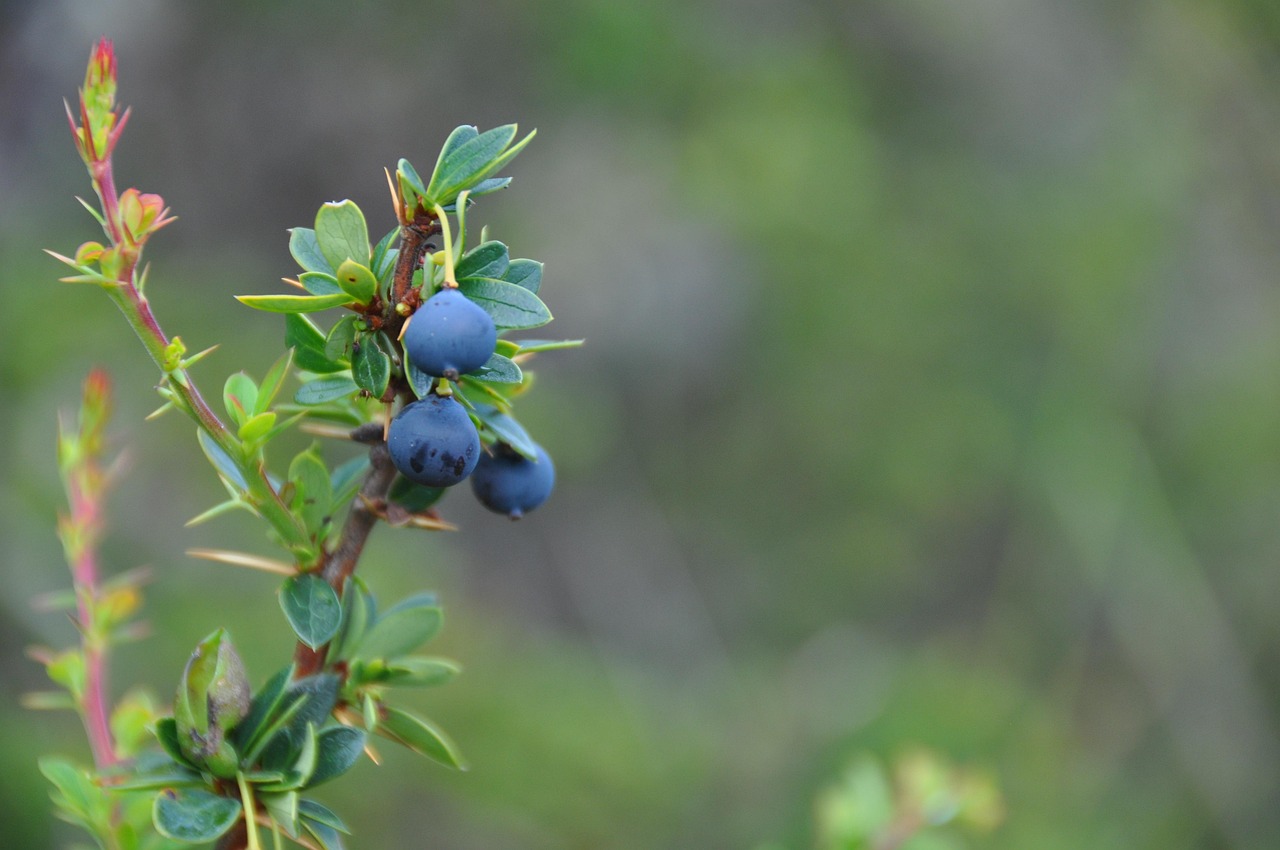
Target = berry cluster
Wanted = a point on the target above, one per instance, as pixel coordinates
(433, 441)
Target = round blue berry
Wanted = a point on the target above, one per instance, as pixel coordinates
(508, 483)
(450, 335)
(433, 442)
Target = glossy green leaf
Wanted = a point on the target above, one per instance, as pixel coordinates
(507, 430)
(401, 630)
(509, 305)
(274, 380)
(266, 706)
(312, 495)
(325, 389)
(195, 816)
(319, 283)
(411, 187)
(321, 814)
(306, 250)
(345, 480)
(531, 346)
(240, 397)
(466, 163)
(311, 607)
(221, 461)
(337, 345)
(342, 233)
(323, 834)
(294, 303)
(308, 343)
(498, 370)
(357, 280)
(412, 496)
(421, 736)
(283, 809)
(358, 610)
(488, 259)
(526, 273)
(257, 427)
(338, 748)
(371, 368)
(166, 732)
(421, 672)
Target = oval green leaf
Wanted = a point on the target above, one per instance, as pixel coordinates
(338, 748)
(195, 816)
(371, 368)
(421, 736)
(306, 250)
(325, 389)
(312, 608)
(498, 370)
(488, 259)
(294, 303)
(526, 273)
(357, 281)
(510, 306)
(342, 233)
(401, 631)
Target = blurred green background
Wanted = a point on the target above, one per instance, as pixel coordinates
(931, 398)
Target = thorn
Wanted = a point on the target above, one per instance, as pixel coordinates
(395, 196)
(317, 429)
(293, 282)
(242, 559)
(158, 412)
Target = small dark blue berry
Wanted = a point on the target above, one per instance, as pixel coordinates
(433, 442)
(450, 335)
(508, 483)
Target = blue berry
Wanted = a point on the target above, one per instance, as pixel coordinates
(450, 335)
(433, 442)
(508, 483)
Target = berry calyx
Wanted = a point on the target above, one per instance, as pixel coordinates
(508, 483)
(433, 442)
(450, 335)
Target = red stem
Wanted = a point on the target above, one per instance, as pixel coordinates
(84, 573)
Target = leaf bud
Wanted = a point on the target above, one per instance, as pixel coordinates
(213, 696)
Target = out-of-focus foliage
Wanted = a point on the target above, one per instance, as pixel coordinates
(938, 408)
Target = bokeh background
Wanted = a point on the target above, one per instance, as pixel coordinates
(932, 397)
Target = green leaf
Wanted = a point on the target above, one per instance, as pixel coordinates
(412, 496)
(402, 630)
(410, 183)
(384, 257)
(166, 732)
(337, 345)
(240, 397)
(531, 346)
(176, 776)
(371, 368)
(326, 836)
(467, 159)
(312, 494)
(321, 693)
(526, 273)
(283, 809)
(265, 708)
(346, 480)
(498, 370)
(338, 748)
(294, 303)
(486, 187)
(488, 259)
(321, 814)
(324, 389)
(418, 379)
(459, 137)
(308, 343)
(507, 430)
(319, 283)
(421, 736)
(222, 461)
(274, 379)
(421, 672)
(195, 816)
(306, 250)
(312, 608)
(509, 305)
(257, 427)
(357, 281)
(358, 610)
(342, 233)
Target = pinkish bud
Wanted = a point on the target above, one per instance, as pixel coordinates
(139, 213)
(88, 252)
(100, 78)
